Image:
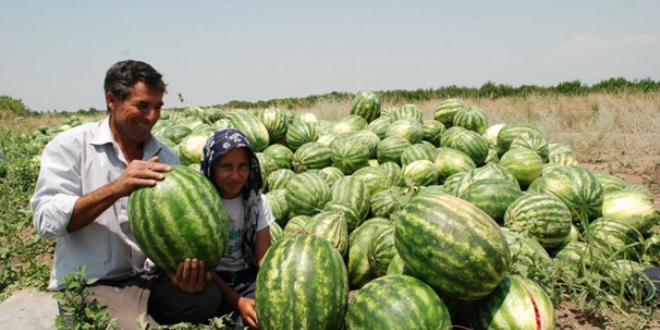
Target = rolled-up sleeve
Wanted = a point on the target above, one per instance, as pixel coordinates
(58, 187)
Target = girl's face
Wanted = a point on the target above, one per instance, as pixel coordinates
(231, 172)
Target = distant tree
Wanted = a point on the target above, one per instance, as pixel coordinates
(10, 106)
(574, 87)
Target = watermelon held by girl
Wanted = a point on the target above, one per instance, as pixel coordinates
(180, 217)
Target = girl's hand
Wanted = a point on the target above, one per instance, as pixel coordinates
(190, 276)
(246, 307)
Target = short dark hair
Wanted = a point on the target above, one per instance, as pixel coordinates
(121, 77)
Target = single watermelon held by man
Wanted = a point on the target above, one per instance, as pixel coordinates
(180, 217)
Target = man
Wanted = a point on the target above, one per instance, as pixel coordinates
(81, 197)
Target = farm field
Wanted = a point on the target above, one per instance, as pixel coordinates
(615, 134)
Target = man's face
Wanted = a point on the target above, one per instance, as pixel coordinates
(133, 118)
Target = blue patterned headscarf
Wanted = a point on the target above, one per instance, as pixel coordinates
(218, 144)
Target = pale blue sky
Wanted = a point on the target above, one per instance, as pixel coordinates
(55, 53)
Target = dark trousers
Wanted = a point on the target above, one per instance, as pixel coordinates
(157, 297)
(244, 283)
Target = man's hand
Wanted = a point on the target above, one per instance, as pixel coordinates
(190, 276)
(246, 307)
(140, 173)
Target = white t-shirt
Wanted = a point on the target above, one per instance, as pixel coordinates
(233, 259)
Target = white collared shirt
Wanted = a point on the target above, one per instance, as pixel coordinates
(73, 164)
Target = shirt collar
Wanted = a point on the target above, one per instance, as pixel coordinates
(104, 136)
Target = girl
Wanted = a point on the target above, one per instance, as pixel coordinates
(232, 166)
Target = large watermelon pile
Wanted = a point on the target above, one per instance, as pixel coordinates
(432, 218)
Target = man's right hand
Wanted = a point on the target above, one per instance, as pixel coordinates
(140, 173)
(137, 174)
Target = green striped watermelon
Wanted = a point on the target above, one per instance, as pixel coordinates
(367, 105)
(616, 239)
(278, 205)
(406, 128)
(391, 148)
(380, 251)
(275, 123)
(380, 125)
(471, 118)
(407, 111)
(353, 192)
(638, 188)
(374, 177)
(281, 154)
(576, 187)
(396, 267)
(533, 141)
(267, 164)
(353, 220)
(488, 171)
(180, 217)
(469, 142)
(279, 179)
(324, 127)
(542, 217)
(631, 207)
(307, 193)
(332, 226)
(311, 155)
(492, 196)
(452, 245)
(302, 284)
(190, 149)
(561, 154)
(252, 127)
(299, 133)
(397, 302)
(296, 224)
(447, 109)
(417, 151)
(610, 183)
(275, 232)
(525, 164)
(306, 117)
(393, 171)
(529, 257)
(433, 130)
(386, 202)
(349, 154)
(450, 161)
(490, 134)
(331, 174)
(370, 139)
(509, 132)
(359, 271)
(420, 173)
(516, 303)
(579, 257)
